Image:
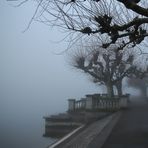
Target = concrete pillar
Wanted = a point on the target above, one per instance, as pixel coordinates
(123, 102)
(71, 104)
(83, 103)
(89, 102)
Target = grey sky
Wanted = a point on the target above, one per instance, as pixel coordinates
(33, 79)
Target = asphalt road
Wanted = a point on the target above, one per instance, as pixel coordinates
(131, 130)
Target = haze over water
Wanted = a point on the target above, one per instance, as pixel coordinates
(34, 82)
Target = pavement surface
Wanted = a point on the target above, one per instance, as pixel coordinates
(131, 130)
(84, 138)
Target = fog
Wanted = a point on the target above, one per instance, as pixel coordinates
(34, 81)
(31, 74)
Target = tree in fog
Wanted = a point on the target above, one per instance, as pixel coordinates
(140, 78)
(140, 84)
(106, 67)
(123, 21)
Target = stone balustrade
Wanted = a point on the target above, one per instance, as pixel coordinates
(98, 101)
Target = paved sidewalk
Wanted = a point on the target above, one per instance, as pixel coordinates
(131, 130)
(83, 139)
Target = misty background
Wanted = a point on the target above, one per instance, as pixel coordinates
(34, 81)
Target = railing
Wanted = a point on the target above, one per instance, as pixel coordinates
(80, 104)
(98, 101)
(107, 104)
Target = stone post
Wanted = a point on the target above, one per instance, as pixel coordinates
(89, 102)
(83, 103)
(71, 104)
(124, 101)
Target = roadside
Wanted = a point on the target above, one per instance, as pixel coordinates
(86, 136)
(131, 131)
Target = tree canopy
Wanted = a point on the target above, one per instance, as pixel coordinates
(122, 24)
(123, 21)
(108, 67)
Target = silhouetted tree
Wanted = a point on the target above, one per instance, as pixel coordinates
(107, 67)
(140, 84)
(140, 78)
(123, 21)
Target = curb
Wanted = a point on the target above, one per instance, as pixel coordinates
(54, 145)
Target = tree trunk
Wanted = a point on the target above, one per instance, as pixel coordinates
(110, 91)
(119, 88)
